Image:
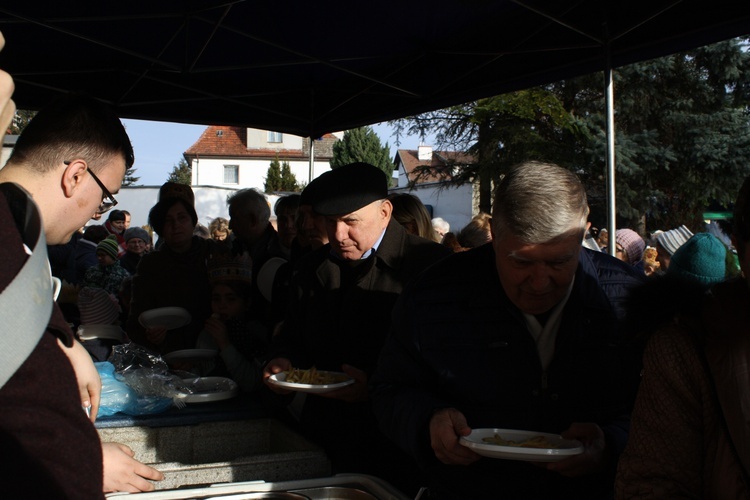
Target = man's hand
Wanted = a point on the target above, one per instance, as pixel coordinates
(593, 458)
(446, 427)
(352, 392)
(276, 365)
(89, 382)
(122, 472)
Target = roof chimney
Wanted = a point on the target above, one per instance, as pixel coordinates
(424, 153)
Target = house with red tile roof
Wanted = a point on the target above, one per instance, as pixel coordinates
(428, 174)
(239, 157)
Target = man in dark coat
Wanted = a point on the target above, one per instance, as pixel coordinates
(521, 333)
(339, 314)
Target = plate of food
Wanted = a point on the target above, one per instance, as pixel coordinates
(168, 317)
(312, 380)
(207, 389)
(529, 446)
(190, 355)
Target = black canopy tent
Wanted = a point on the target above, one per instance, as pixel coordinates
(313, 67)
(308, 68)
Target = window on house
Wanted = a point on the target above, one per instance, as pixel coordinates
(231, 174)
(275, 137)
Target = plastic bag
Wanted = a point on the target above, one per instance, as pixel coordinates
(136, 381)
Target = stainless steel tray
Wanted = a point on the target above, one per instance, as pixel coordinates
(338, 487)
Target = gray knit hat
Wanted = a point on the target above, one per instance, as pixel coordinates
(674, 238)
(136, 232)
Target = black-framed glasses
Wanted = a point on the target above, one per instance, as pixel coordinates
(108, 201)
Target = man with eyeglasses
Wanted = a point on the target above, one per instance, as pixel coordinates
(63, 170)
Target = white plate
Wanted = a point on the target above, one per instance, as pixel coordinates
(207, 389)
(188, 354)
(279, 379)
(168, 317)
(91, 332)
(564, 448)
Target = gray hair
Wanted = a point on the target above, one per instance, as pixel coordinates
(539, 202)
(441, 224)
(250, 201)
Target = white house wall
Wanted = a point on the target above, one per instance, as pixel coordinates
(258, 139)
(252, 172)
(454, 204)
(210, 202)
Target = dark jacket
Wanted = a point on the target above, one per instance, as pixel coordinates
(168, 279)
(49, 448)
(457, 341)
(340, 313)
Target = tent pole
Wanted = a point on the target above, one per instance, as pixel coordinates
(609, 98)
(311, 168)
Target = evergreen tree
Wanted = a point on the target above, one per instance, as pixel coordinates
(273, 177)
(182, 173)
(288, 179)
(682, 137)
(130, 179)
(363, 144)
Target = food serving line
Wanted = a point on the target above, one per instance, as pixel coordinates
(221, 443)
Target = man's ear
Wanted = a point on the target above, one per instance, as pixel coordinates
(72, 177)
(386, 208)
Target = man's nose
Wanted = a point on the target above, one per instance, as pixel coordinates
(341, 231)
(539, 279)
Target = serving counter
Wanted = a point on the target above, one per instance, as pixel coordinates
(226, 441)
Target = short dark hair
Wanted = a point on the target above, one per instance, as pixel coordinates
(95, 233)
(73, 126)
(116, 215)
(285, 202)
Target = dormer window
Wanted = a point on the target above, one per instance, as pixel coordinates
(275, 137)
(219, 133)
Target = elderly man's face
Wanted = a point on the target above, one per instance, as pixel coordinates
(353, 234)
(536, 277)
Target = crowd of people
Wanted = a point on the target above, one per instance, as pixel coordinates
(517, 321)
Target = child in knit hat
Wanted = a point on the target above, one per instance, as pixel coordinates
(108, 274)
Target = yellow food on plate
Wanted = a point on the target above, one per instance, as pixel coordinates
(532, 442)
(313, 377)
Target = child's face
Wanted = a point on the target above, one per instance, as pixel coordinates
(104, 259)
(226, 302)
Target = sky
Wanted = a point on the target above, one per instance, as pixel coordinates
(158, 146)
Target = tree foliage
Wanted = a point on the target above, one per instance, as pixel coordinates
(681, 133)
(182, 173)
(363, 145)
(20, 120)
(130, 179)
(280, 177)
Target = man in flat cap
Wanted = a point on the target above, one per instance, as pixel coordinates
(339, 315)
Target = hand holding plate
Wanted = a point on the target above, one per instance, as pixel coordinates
(593, 458)
(353, 392)
(446, 428)
(276, 365)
